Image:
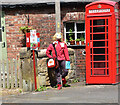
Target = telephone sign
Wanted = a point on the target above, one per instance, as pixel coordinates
(33, 40)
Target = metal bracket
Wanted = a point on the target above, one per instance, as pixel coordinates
(3, 28)
(3, 45)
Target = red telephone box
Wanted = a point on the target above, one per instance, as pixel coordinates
(102, 43)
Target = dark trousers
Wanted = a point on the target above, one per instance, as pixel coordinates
(61, 71)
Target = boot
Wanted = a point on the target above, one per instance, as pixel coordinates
(59, 86)
(63, 81)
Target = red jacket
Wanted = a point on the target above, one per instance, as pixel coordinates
(62, 52)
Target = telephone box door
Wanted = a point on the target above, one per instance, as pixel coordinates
(98, 53)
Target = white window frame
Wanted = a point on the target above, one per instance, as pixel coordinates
(75, 28)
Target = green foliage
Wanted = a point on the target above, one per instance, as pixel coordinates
(71, 39)
(25, 29)
(76, 80)
(42, 88)
(82, 39)
(77, 40)
(66, 40)
(55, 86)
(20, 90)
(70, 35)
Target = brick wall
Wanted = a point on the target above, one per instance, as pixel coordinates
(42, 18)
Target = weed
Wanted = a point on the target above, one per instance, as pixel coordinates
(76, 80)
(41, 88)
(20, 90)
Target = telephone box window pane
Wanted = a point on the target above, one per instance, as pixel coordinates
(90, 22)
(90, 29)
(99, 57)
(107, 29)
(91, 57)
(91, 64)
(98, 36)
(99, 50)
(107, 50)
(80, 26)
(107, 65)
(99, 64)
(91, 71)
(107, 35)
(99, 22)
(99, 44)
(90, 36)
(99, 72)
(69, 26)
(107, 21)
(98, 29)
(91, 51)
(107, 72)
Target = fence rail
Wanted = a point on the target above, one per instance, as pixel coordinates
(10, 74)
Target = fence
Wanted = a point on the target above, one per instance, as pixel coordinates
(10, 74)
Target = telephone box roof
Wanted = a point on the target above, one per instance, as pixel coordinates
(112, 3)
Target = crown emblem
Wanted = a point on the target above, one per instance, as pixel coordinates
(99, 6)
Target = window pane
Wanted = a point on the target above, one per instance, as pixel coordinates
(68, 36)
(80, 26)
(98, 36)
(90, 36)
(107, 21)
(99, 22)
(99, 44)
(99, 64)
(90, 22)
(69, 26)
(80, 35)
(99, 57)
(98, 29)
(99, 72)
(90, 29)
(99, 50)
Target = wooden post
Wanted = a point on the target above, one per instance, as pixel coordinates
(12, 83)
(3, 68)
(58, 16)
(16, 83)
(8, 85)
(20, 74)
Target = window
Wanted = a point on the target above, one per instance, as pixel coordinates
(75, 32)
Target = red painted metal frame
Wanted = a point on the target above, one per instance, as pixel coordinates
(112, 63)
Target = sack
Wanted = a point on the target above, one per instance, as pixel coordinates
(52, 63)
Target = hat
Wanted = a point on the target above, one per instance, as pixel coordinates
(58, 35)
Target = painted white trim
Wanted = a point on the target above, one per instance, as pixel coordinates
(75, 26)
